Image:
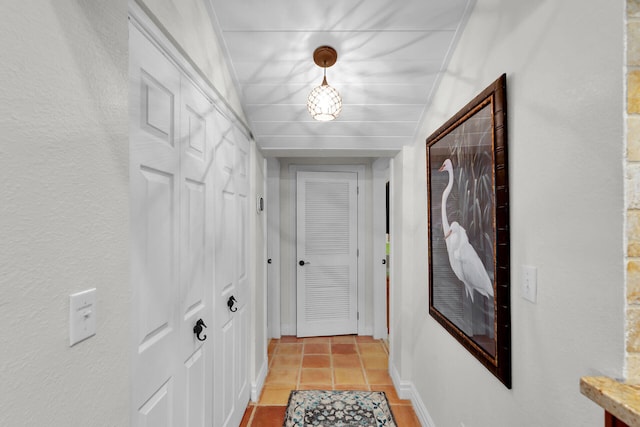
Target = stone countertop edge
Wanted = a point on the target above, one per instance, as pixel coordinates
(619, 399)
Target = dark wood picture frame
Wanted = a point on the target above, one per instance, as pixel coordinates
(468, 220)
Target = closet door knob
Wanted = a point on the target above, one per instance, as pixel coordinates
(230, 303)
(197, 329)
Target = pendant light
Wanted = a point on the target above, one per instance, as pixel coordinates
(324, 103)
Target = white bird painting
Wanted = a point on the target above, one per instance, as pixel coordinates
(464, 259)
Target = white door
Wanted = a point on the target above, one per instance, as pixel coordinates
(327, 273)
(172, 242)
(231, 273)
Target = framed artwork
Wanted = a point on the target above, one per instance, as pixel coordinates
(468, 217)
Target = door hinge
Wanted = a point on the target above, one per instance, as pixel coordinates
(358, 190)
(357, 252)
(358, 315)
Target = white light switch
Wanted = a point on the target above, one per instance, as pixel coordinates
(529, 283)
(82, 316)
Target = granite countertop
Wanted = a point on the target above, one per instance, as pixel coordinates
(619, 399)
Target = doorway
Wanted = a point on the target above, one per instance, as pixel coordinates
(327, 253)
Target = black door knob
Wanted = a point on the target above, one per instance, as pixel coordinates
(230, 303)
(301, 262)
(197, 329)
(269, 261)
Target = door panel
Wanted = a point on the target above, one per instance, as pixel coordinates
(172, 241)
(327, 302)
(231, 272)
(196, 266)
(155, 215)
(157, 411)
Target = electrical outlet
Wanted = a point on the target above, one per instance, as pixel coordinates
(529, 283)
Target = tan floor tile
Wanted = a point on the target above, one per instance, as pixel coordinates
(344, 339)
(280, 376)
(375, 361)
(371, 348)
(286, 361)
(346, 361)
(316, 361)
(349, 376)
(405, 416)
(290, 339)
(378, 376)
(317, 348)
(289, 348)
(287, 356)
(316, 376)
(317, 340)
(343, 349)
(268, 416)
(362, 387)
(274, 395)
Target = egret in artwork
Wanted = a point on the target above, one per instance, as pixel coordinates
(464, 259)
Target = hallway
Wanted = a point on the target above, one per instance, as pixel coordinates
(332, 363)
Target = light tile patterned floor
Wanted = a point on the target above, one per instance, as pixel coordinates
(345, 362)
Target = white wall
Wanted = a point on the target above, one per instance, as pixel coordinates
(64, 211)
(564, 62)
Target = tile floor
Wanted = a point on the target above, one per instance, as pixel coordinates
(328, 363)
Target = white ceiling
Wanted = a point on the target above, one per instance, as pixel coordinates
(390, 53)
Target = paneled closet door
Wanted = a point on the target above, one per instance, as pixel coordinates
(172, 242)
(231, 273)
(327, 267)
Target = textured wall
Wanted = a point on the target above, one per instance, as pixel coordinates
(633, 190)
(566, 150)
(63, 211)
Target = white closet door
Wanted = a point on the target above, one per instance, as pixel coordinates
(327, 302)
(172, 242)
(196, 243)
(231, 274)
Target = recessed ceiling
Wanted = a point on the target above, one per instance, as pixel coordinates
(390, 54)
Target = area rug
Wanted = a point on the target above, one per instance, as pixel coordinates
(338, 408)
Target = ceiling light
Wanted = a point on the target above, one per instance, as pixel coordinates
(324, 101)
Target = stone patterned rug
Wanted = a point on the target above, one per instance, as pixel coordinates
(338, 408)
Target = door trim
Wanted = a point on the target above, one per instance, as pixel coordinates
(380, 172)
(360, 171)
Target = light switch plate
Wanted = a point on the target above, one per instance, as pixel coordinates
(529, 283)
(82, 316)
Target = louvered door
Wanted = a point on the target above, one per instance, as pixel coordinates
(327, 298)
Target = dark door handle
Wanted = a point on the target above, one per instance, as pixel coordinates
(384, 261)
(198, 330)
(302, 263)
(230, 303)
(269, 261)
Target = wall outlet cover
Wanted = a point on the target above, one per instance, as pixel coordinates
(82, 316)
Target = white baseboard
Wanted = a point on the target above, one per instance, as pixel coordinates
(258, 384)
(407, 390)
(366, 331)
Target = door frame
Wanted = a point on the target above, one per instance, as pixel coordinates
(360, 171)
(380, 177)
